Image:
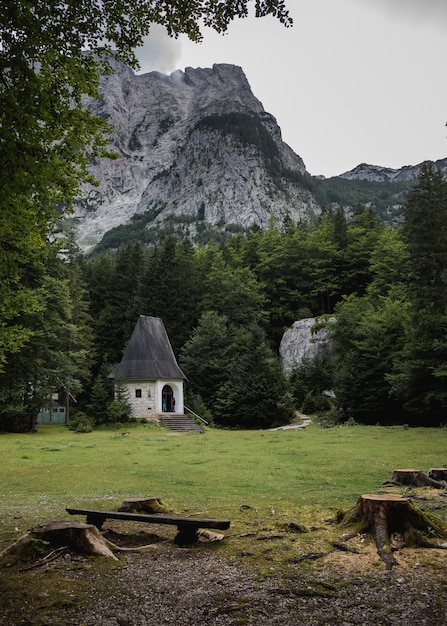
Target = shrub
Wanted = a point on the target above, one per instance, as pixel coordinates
(315, 403)
(80, 423)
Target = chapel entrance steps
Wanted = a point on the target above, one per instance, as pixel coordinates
(180, 423)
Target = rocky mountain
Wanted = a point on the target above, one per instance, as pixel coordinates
(195, 150)
(378, 174)
(198, 156)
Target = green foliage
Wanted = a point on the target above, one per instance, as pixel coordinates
(205, 356)
(233, 370)
(315, 403)
(386, 198)
(195, 402)
(419, 378)
(80, 423)
(101, 394)
(118, 412)
(232, 291)
(171, 288)
(57, 354)
(328, 419)
(308, 381)
(253, 393)
(367, 336)
(119, 409)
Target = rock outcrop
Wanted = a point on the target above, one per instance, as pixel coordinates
(305, 339)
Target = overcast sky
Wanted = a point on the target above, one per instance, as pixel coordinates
(354, 81)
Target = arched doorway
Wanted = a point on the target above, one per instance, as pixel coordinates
(168, 400)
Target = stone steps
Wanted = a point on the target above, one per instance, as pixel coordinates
(179, 423)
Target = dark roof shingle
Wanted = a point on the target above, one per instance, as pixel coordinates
(149, 353)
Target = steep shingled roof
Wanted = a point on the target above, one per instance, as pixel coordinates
(149, 353)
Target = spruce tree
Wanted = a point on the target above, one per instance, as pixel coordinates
(255, 394)
(420, 375)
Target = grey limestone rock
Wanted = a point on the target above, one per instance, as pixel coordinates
(176, 158)
(305, 339)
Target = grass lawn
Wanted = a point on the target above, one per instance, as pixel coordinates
(212, 473)
(260, 480)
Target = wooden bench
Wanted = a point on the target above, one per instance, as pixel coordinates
(187, 526)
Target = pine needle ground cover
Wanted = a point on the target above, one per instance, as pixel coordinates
(281, 490)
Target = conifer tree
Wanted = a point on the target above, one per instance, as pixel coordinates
(420, 377)
(255, 393)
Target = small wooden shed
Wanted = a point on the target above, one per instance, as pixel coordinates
(149, 371)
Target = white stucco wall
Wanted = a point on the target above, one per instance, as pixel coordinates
(149, 405)
(177, 388)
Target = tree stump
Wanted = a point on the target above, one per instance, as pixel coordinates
(439, 473)
(395, 522)
(76, 536)
(416, 478)
(143, 505)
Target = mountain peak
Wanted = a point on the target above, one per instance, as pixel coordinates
(195, 147)
(380, 174)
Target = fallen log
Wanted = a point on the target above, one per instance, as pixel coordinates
(389, 517)
(73, 535)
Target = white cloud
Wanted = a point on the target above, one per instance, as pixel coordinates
(159, 52)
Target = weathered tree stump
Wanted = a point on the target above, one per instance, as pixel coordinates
(395, 522)
(143, 505)
(416, 478)
(439, 473)
(76, 536)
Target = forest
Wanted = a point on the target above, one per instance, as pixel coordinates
(226, 306)
(65, 317)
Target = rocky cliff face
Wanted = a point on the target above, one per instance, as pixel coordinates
(194, 147)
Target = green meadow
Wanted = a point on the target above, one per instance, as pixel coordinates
(218, 473)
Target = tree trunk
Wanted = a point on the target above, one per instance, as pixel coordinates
(144, 505)
(439, 473)
(416, 478)
(395, 522)
(77, 536)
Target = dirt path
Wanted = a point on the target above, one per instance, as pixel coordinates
(305, 421)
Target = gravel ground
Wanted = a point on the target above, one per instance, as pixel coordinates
(180, 586)
(206, 585)
(185, 588)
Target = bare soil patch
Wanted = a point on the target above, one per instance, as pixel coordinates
(202, 585)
